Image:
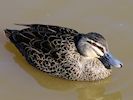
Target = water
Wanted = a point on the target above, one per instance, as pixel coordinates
(19, 81)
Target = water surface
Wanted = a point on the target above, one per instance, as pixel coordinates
(20, 81)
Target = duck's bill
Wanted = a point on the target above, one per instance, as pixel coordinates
(109, 61)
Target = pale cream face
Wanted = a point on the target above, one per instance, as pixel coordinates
(91, 49)
(89, 52)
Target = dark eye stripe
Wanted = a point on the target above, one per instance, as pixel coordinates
(94, 44)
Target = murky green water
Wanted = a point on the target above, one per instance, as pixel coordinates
(19, 81)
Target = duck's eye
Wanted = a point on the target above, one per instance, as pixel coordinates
(94, 44)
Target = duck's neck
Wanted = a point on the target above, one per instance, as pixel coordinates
(93, 69)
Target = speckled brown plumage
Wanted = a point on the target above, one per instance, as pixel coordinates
(52, 49)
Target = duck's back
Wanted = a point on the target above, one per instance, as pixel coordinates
(48, 48)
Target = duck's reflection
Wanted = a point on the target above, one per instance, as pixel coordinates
(85, 90)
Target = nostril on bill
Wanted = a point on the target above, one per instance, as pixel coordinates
(121, 65)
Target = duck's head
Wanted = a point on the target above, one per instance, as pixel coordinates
(94, 45)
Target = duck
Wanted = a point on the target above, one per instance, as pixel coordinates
(64, 52)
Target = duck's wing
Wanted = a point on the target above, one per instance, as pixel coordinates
(40, 37)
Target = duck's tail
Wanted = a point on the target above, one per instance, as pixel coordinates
(17, 39)
(9, 34)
